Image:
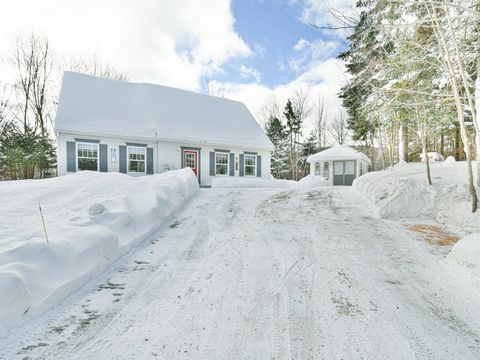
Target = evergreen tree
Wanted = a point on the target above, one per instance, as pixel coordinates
(308, 148)
(275, 131)
(25, 155)
(293, 130)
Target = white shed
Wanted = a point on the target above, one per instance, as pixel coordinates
(340, 164)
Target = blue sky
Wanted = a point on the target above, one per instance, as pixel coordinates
(274, 27)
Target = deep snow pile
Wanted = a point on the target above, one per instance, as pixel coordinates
(403, 193)
(92, 219)
(466, 253)
(311, 181)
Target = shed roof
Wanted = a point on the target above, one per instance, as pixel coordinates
(90, 104)
(338, 152)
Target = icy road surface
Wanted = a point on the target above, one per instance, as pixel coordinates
(266, 274)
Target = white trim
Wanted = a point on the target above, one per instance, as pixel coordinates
(245, 165)
(76, 154)
(228, 163)
(144, 161)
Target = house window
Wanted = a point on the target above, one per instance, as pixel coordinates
(136, 159)
(221, 164)
(326, 173)
(250, 165)
(87, 156)
(317, 169)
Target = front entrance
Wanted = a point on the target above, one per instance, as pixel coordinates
(343, 172)
(190, 159)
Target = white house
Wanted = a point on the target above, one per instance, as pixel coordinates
(340, 164)
(117, 126)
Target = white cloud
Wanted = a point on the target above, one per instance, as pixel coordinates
(310, 52)
(169, 42)
(324, 78)
(248, 72)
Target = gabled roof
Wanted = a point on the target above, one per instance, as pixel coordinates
(94, 105)
(338, 152)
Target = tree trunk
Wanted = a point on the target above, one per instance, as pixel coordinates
(442, 143)
(426, 159)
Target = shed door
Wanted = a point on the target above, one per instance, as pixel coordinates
(343, 172)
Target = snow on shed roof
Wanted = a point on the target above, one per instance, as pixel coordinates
(338, 152)
(94, 105)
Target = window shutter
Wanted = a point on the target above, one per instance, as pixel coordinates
(149, 160)
(122, 159)
(242, 165)
(103, 157)
(259, 165)
(232, 164)
(212, 163)
(71, 157)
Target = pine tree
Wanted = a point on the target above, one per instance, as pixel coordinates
(308, 148)
(293, 129)
(275, 131)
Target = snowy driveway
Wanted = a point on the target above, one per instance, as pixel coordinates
(267, 274)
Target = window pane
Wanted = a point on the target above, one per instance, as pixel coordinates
(317, 169)
(250, 160)
(190, 160)
(250, 170)
(326, 170)
(221, 169)
(87, 164)
(349, 167)
(221, 158)
(338, 169)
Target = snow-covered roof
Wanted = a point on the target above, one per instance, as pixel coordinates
(93, 105)
(338, 152)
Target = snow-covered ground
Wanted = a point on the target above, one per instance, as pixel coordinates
(265, 273)
(91, 218)
(403, 193)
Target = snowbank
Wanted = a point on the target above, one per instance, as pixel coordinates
(311, 181)
(92, 219)
(246, 182)
(403, 193)
(466, 253)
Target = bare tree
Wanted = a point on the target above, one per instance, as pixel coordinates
(270, 109)
(34, 64)
(212, 88)
(302, 109)
(320, 125)
(93, 66)
(5, 113)
(338, 128)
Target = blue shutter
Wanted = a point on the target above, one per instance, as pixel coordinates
(103, 158)
(212, 163)
(242, 165)
(122, 159)
(71, 157)
(259, 165)
(150, 161)
(232, 164)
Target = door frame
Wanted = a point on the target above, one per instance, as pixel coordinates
(199, 159)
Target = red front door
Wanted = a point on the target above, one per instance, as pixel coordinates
(190, 159)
